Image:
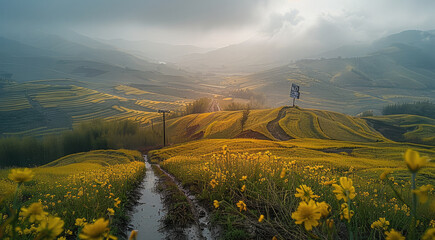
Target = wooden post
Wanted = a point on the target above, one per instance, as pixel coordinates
(164, 130)
(294, 102)
(164, 125)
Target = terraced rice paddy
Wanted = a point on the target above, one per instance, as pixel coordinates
(42, 107)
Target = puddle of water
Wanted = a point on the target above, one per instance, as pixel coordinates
(149, 210)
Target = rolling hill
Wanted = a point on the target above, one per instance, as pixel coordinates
(283, 123)
(405, 128)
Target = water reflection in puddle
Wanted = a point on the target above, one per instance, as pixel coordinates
(149, 210)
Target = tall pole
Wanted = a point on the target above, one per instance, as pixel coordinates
(293, 102)
(164, 130)
(164, 125)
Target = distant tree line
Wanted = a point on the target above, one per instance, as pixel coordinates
(97, 134)
(421, 108)
(256, 100)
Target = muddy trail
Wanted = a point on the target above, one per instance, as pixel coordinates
(275, 129)
(147, 216)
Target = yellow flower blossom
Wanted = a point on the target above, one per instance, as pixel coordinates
(50, 227)
(243, 178)
(414, 161)
(283, 171)
(111, 211)
(384, 175)
(381, 224)
(423, 192)
(345, 190)
(429, 234)
(394, 235)
(117, 202)
(133, 235)
(216, 203)
(305, 193)
(34, 212)
(80, 222)
(261, 218)
(345, 212)
(241, 205)
(307, 214)
(324, 208)
(213, 183)
(243, 188)
(21, 175)
(96, 231)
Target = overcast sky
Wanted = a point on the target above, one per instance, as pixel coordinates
(219, 23)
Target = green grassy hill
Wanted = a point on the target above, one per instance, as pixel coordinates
(405, 128)
(100, 157)
(272, 124)
(69, 165)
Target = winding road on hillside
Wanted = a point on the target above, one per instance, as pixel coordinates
(275, 129)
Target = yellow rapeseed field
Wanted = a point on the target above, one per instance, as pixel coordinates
(296, 189)
(80, 195)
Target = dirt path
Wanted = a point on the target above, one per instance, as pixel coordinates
(275, 129)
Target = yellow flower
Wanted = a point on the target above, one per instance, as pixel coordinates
(216, 203)
(111, 211)
(305, 193)
(261, 218)
(274, 238)
(133, 235)
(80, 222)
(307, 214)
(422, 192)
(34, 212)
(345, 212)
(381, 224)
(394, 235)
(213, 183)
(20, 176)
(432, 223)
(243, 178)
(414, 161)
(50, 227)
(384, 175)
(345, 190)
(282, 175)
(61, 238)
(243, 188)
(241, 205)
(429, 234)
(117, 202)
(330, 223)
(96, 231)
(324, 208)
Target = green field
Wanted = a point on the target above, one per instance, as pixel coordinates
(78, 186)
(264, 175)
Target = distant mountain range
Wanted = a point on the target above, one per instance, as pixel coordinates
(349, 79)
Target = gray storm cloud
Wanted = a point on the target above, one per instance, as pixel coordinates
(226, 21)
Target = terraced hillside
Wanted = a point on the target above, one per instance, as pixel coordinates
(42, 107)
(273, 124)
(405, 128)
